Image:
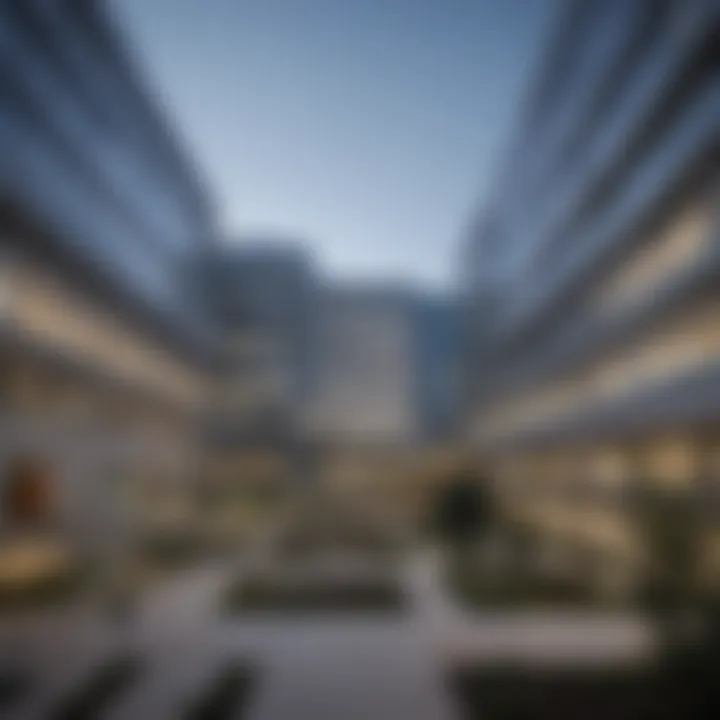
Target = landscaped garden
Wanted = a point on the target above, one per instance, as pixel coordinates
(173, 550)
(37, 572)
(490, 561)
(325, 559)
(314, 592)
(679, 681)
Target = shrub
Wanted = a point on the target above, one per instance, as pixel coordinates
(463, 510)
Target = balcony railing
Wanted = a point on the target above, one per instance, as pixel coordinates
(99, 81)
(614, 30)
(115, 162)
(624, 129)
(693, 133)
(36, 174)
(686, 398)
(608, 51)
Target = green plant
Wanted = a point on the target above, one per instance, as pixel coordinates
(463, 510)
(313, 595)
(672, 531)
(478, 586)
(687, 616)
(53, 589)
(173, 549)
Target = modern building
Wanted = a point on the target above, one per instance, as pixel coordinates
(105, 342)
(437, 333)
(365, 393)
(384, 404)
(263, 293)
(593, 352)
(363, 417)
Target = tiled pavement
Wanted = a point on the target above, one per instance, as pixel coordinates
(327, 668)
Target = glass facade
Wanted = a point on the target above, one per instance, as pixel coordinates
(86, 161)
(620, 139)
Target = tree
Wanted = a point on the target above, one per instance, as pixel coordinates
(672, 529)
(686, 614)
(462, 512)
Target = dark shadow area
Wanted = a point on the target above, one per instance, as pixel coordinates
(14, 687)
(682, 684)
(44, 591)
(100, 691)
(314, 597)
(515, 693)
(225, 696)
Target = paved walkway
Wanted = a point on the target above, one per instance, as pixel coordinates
(383, 667)
(532, 636)
(379, 667)
(350, 671)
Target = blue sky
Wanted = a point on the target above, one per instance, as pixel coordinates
(368, 129)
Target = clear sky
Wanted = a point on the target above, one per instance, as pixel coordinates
(368, 129)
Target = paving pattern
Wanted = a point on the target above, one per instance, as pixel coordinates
(376, 667)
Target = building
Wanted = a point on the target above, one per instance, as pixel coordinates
(436, 359)
(593, 352)
(105, 342)
(263, 293)
(384, 404)
(363, 417)
(365, 393)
